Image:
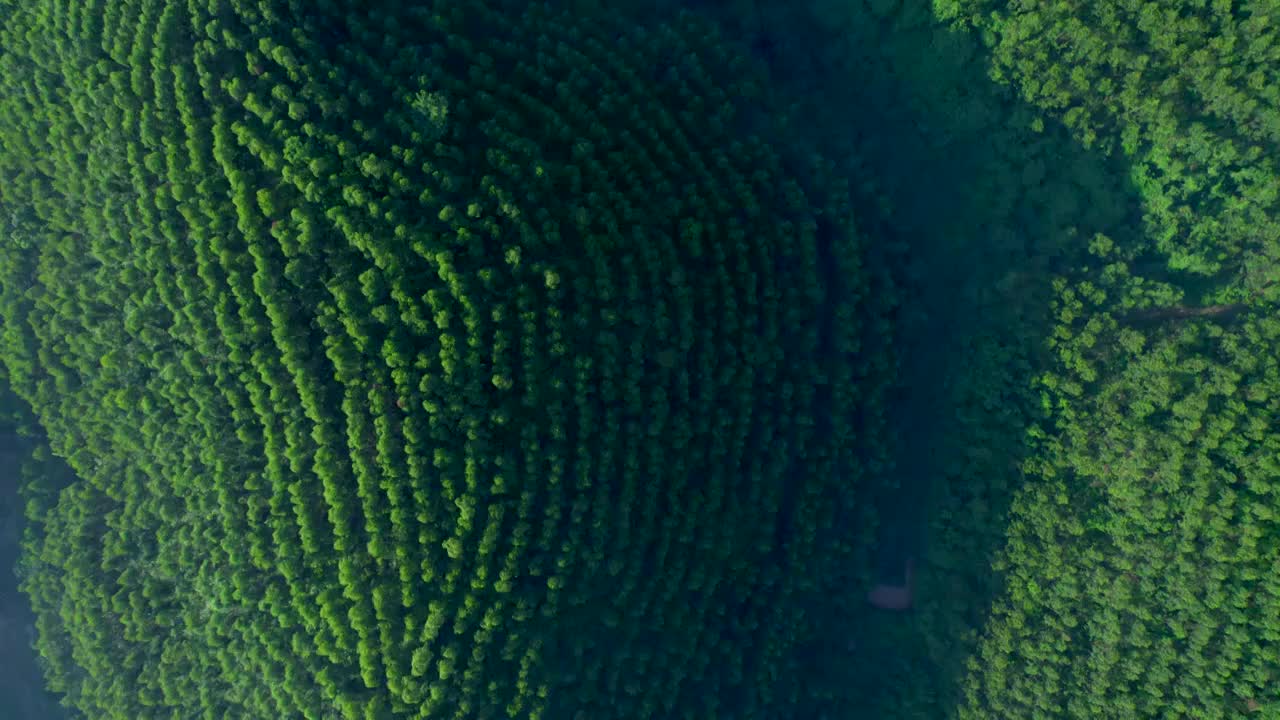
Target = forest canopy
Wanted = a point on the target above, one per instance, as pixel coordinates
(587, 359)
(431, 361)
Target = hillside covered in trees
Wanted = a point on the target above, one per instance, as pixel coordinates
(584, 359)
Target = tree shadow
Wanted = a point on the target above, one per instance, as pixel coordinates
(22, 686)
(993, 199)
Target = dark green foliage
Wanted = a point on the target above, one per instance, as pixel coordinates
(29, 480)
(991, 199)
(429, 361)
(1061, 276)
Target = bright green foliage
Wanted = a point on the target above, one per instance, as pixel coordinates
(437, 361)
(1142, 556)
(1189, 90)
(1142, 560)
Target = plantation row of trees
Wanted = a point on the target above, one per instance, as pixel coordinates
(426, 362)
(1142, 558)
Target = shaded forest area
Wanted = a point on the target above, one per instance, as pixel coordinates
(22, 685)
(993, 199)
(1089, 196)
(1081, 202)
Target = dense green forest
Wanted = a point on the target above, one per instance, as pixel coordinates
(586, 359)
